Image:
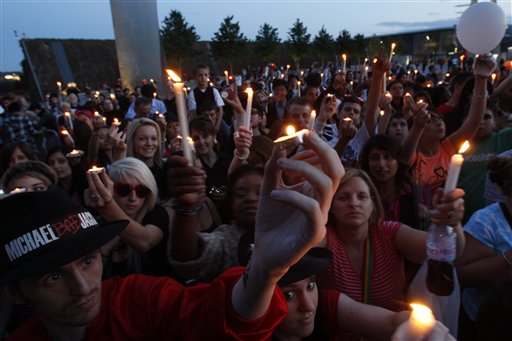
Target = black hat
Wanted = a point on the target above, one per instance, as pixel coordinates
(314, 261)
(42, 231)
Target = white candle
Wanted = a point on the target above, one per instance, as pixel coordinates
(391, 53)
(299, 83)
(59, 84)
(420, 323)
(312, 119)
(227, 78)
(454, 169)
(95, 169)
(70, 121)
(75, 153)
(182, 115)
(248, 108)
(293, 136)
(344, 69)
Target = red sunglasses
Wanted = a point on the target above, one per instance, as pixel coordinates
(124, 189)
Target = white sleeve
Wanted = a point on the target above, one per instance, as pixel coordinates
(218, 98)
(191, 101)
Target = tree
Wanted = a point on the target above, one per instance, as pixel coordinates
(228, 43)
(298, 41)
(178, 39)
(344, 42)
(323, 44)
(267, 41)
(374, 44)
(359, 47)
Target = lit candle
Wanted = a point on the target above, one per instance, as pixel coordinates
(299, 83)
(152, 81)
(312, 119)
(64, 132)
(95, 170)
(292, 138)
(96, 114)
(393, 45)
(388, 95)
(18, 190)
(461, 62)
(420, 323)
(97, 94)
(182, 115)
(344, 69)
(154, 94)
(70, 121)
(104, 120)
(227, 78)
(493, 77)
(322, 76)
(75, 153)
(116, 122)
(382, 113)
(347, 119)
(59, 84)
(248, 108)
(365, 61)
(415, 72)
(112, 97)
(454, 169)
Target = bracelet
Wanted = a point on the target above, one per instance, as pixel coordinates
(243, 157)
(478, 97)
(506, 258)
(186, 211)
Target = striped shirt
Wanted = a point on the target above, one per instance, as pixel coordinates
(387, 288)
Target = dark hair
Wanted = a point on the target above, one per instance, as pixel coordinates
(298, 101)
(8, 150)
(278, 82)
(202, 124)
(393, 82)
(58, 149)
(393, 147)
(313, 79)
(147, 90)
(199, 67)
(206, 105)
(14, 107)
(237, 175)
(142, 101)
(500, 172)
(400, 116)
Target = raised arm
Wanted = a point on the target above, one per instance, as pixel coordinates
(482, 69)
(411, 141)
(99, 195)
(379, 68)
(288, 223)
(243, 143)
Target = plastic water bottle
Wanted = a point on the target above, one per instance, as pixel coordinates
(441, 251)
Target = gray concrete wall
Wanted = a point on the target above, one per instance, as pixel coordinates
(136, 30)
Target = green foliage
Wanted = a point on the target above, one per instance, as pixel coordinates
(178, 39)
(266, 43)
(228, 43)
(323, 44)
(374, 45)
(298, 40)
(344, 42)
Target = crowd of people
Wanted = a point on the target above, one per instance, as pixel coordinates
(111, 232)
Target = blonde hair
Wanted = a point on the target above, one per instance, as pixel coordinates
(378, 210)
(130, 135)
(131, 168)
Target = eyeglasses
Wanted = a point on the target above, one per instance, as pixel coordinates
(124, 189)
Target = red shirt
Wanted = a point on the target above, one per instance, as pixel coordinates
(139, 307)
(387, 284)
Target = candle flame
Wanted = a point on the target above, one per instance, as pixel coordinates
(290, 130)
(74, 152)
(116, 121)
(393, 45)
(374, 60)
(64, 132)
(347, 119)
(299, 83)
(493, 76)
(96, 114)
(464, 147)
(67, 114)
(174, 77)
(365, 60)
(382, 113)
(388, 94)
(287, 66)
(462, 57)
(154, 94)
(344, 56)
(248, 90)
(421, 313)
(59, 83)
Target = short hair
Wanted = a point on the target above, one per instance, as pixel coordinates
(142, 101)
(147, 90)
(278, 82)
(207, 106)
(298, 101)
(314, 79)
(132, 168)
(130, 135)
(500, 172)
(35, 169)
(239, 173)
(201, 66)
(203, 125)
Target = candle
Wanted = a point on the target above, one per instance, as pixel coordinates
(454, 169)
(365, 61)
(312, 119)
(391, 53)
(64, 132)
(347, 119)
(182, 115)
(388, 95)
(116, 122)
(18, 190)
(75, 153)
(96, 114)
(292, 138)
(97, 94)
(112, 96)
(493, 77)
(70, 121)
(59, 84)
(152, 81)
(104, 120)
(154, 94)
(298, 88)
(382, 113)
(95, 170)
(420, 323)
(227, 78)
(462, 62)
(248, 108)
(344, 69)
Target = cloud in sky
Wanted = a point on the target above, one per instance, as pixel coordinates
(419, 25)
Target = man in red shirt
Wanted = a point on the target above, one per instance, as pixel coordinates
(49, 259)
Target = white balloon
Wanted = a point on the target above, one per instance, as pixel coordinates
(481, 27)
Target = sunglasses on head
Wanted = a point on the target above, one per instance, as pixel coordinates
(124, 189)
